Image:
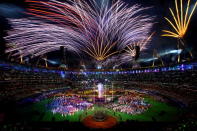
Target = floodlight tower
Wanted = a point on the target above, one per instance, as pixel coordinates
(46, 64)
(156, 55)
(21, 57)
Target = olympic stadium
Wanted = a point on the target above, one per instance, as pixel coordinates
(98, 65)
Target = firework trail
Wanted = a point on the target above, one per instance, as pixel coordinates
(38, 38)
(181, 20)
(130, 51)
(100, 31)
(180, 23)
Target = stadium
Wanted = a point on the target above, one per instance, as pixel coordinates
(98, 64)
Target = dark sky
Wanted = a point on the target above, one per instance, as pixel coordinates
(160, 9)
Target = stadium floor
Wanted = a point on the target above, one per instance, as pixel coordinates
(159, 111)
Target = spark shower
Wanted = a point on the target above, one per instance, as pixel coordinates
(100, 31)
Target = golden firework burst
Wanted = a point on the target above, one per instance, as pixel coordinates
(181, 20)
(142, 44)
(101, 51)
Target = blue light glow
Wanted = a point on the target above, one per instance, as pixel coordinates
(181, 67)
(63, 74)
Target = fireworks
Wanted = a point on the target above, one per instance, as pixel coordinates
(180, 23)
(181, 20)
(100, 31)
(33, 37)
(130, 54)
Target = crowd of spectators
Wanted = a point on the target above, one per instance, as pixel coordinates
(185, 124)
(16, 84)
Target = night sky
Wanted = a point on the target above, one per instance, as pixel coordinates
(160, 9)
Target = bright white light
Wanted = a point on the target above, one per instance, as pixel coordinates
(161, 54)
(98, 67)
(175, 51)
(147, 60)
(171, 52)
(100, 90)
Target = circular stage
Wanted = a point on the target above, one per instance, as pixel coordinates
(109, 122)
